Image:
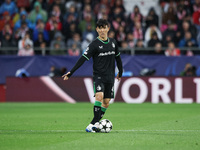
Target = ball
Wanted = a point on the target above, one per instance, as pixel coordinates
(105, 126)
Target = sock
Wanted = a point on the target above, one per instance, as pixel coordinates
(103, 110)
(97, 112)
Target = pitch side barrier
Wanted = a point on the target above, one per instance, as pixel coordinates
(80, 89)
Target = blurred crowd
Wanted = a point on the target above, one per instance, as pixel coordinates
(66, 27)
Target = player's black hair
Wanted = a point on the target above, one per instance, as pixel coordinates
(102, 23)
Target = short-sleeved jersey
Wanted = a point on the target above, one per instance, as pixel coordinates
(103, 54)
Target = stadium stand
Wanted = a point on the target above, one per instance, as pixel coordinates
(163, 27)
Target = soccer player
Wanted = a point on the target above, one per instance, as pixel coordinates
(104, 52)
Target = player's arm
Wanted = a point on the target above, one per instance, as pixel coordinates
(119, 62)
(89, 52)
(119, 66)
(78, 64)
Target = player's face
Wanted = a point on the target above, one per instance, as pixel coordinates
(103, 32)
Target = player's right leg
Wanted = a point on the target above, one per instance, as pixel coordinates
(93, 126)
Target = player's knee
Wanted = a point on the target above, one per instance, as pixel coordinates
(106, 103)
(99, 96)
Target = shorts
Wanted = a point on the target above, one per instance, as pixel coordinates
(106, 88)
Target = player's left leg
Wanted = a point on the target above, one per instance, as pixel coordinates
(108, 94)
(104, 106)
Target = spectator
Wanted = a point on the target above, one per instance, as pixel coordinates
(117, 22)
(88, 30)
(140, 45)
(169, 34)
(125, 48)
(187, 41)
(72, 14)
(58, 38)
(198, 40)
(22, 30)
(40, 39)
(76, 3)
(167, 4)
(189, 70)
(130, 40)
(43, 3)
(196, 5)
(118, 4)
(23, 3)
(6, 19)
(53, 23)
(149, 32)
(111, 34)
(8, 42)
(167, 39)
(21, 43)
(57, 49)
(118, 12)
(151, 18)
(138, 31)
(42, 48)
(87, 41)
(74, 50)
(120, 35)
(158, 49)
(16, 17)
(196, 20)
(27, 50)
(172, 50)
(102, 3)
(133, 15)
(75, 39)
(154, 39)
(187, 26)
(9, 6)
(70, 30)
(87, 2)
(37, 11)
(168, 18)
(181, 13)
(57, 72)
(23, 18)
(40, 29)
(87, 20)
(87, 10)
(6, 29)
(57, 13)
(59, 3)
(54, 30)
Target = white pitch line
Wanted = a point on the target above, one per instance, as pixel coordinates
(157, 130)
(62, 131)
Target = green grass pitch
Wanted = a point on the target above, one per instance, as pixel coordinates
(61, 126)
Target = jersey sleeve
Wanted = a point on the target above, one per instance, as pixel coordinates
(90, 51)
(117, 53)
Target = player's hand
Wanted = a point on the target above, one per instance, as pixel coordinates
(118, 78)
(65, 76)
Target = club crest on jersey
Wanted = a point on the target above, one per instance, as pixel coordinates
(113, 45)
(100, 47)
(98, 88)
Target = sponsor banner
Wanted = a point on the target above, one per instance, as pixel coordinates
(80, 89)
(38, 66)
(2, 93)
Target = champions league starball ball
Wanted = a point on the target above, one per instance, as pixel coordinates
(105, 126)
